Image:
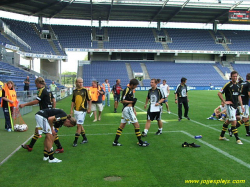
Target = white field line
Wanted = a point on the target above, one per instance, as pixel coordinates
(244, 140)
(220, 151)
(14, 151)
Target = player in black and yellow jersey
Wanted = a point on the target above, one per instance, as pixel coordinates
(47, 120)
(245, 95)
(129, 113)
(81, 104)
(45, 100)
(232, 97)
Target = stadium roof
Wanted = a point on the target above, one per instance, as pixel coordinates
(193, 11)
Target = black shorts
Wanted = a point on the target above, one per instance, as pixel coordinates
(153, 115)
(117, 97)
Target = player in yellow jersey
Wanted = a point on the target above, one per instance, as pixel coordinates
(81, 104)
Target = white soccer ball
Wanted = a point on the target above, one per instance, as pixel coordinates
(22, 128)
(16, 126)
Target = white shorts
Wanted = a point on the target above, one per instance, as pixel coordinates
(246, 113)
(98, 105)
(80, 117)
(231, 113)
(128, 115)
(43, 125)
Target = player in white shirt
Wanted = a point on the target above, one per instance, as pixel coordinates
(166, 91)
(219, 113)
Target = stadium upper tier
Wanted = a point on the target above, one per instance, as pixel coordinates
(121, 38)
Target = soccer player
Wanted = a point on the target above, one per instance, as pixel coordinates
(181, 96)
(129, 114)
(45, 100)
(245, 95)
(166, 91)
(81, 103)
(232, 95)
(156, 97)
(219, 113)
(116, 91)
(47, 120)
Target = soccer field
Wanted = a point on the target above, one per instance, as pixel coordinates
(164, 163)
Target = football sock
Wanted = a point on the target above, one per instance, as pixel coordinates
(45, 153)
(76, 137)
(138, 134)
(239, 123)
(57, 142)
(247, 126)
(51, 155)
(223, 116)
(118, 134)
(33, 140)
(235, 131)
(224, 129)
(213, 115)
(160, 129)
(83, 135)
(146, 131)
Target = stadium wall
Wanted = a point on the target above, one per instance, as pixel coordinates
(105, 56)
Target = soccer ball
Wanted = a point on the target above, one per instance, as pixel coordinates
(22, 128)
(16, 126)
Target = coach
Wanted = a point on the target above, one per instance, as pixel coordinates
(181, 96)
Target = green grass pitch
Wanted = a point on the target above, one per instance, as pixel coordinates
(164, 163)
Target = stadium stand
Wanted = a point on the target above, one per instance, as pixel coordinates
(242, 69)
(101, 70)
(240, 40)
(123, 38)
(198, 74)
(192, 39)
(74, 36)
(223, 69)
(26, 33)
(131, 38)
(18, 75)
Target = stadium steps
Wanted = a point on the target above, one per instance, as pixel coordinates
(100, 44)
(129, 71)
(93, 33)
(154, 33)
(52, 33)
(106, 36)
(51, 43)
(80, 71)
(169, 40)
(220, 72)
(212, 34)
(145, 71)
(33, 25)
(225, 47)
(231, 67)
(165, 46)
